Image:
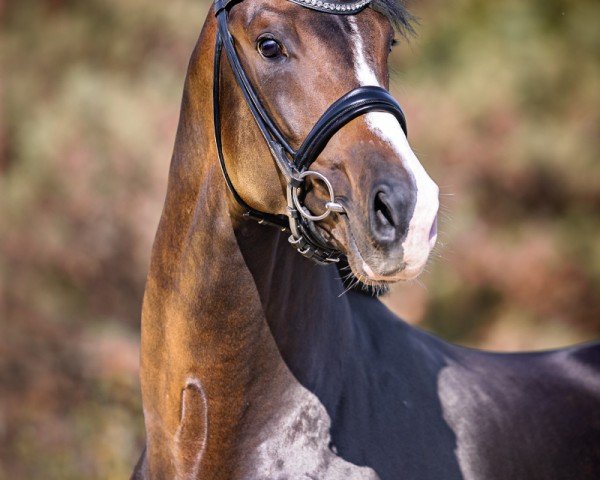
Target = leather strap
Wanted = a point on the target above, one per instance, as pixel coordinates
(279, 221)
(336, 7)
(352, 105)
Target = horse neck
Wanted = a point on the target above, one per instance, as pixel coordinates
(206, 347)
(219, 290)
(308, 315)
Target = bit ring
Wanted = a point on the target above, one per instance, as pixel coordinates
(330, 206)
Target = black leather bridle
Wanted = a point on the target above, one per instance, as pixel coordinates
(294, 164)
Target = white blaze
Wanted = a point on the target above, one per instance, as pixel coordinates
(417, 244)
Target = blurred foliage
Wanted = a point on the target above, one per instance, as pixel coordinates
(504, 108)
(504, 100)
(90, 94)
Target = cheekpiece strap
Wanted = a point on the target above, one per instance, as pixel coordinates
(222, 5)
(329, 6)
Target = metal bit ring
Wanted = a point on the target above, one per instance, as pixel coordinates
(330, 206)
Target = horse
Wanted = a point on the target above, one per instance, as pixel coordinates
(253, 365)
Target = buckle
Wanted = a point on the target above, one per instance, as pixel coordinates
(307, 250)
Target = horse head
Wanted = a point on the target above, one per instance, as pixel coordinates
(300, 62)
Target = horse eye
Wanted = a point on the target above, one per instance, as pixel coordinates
(269, 48)
(393, 43)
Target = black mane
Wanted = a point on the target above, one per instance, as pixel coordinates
(396, 12)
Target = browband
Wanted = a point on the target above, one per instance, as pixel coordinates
(330, 6)
(340, 8)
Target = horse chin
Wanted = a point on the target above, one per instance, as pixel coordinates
(371, 266)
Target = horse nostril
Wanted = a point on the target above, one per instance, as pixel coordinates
(390, 211)
(383, 211)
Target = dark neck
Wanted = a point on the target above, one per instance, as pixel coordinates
(374, 374)
(309, 316)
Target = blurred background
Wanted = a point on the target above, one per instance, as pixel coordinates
(503, 101)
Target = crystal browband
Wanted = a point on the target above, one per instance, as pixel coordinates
(343, 8)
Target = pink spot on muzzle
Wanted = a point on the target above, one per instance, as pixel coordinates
(433, 231)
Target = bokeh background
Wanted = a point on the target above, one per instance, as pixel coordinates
(503, 99)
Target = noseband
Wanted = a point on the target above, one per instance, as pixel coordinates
(294, 164)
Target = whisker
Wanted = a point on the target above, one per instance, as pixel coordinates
(350, 287)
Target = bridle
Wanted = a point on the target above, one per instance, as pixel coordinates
(294, 164)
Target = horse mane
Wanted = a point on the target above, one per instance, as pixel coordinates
(397, 13)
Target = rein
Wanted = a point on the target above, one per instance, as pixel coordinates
(294, 164)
